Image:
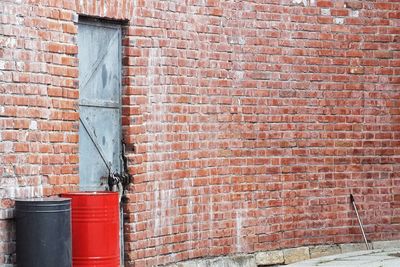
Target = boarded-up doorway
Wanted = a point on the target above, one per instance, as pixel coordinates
(99, 53)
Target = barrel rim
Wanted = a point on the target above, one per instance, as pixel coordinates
(44, 200)
(90, 193)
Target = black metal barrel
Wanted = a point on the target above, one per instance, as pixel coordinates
(43, 228)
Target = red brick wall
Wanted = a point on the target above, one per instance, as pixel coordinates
(248, 123)
(38, 116)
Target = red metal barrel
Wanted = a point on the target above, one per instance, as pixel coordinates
(95, 228)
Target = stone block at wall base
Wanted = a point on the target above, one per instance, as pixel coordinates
(296, 254)
(269, 257)
(283, 256)
(324, 250)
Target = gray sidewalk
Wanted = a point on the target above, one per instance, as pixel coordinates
(388, 257)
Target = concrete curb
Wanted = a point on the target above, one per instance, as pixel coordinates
(283, 256)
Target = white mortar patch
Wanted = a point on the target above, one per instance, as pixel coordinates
(339, 21)
(299, 2)
(325, 11)
(33, 125)
(354, 13)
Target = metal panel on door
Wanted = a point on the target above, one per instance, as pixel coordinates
(99, 57)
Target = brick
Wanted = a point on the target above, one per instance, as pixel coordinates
(354, 4)
(357, 70)
(396, 198)
(324, 4)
